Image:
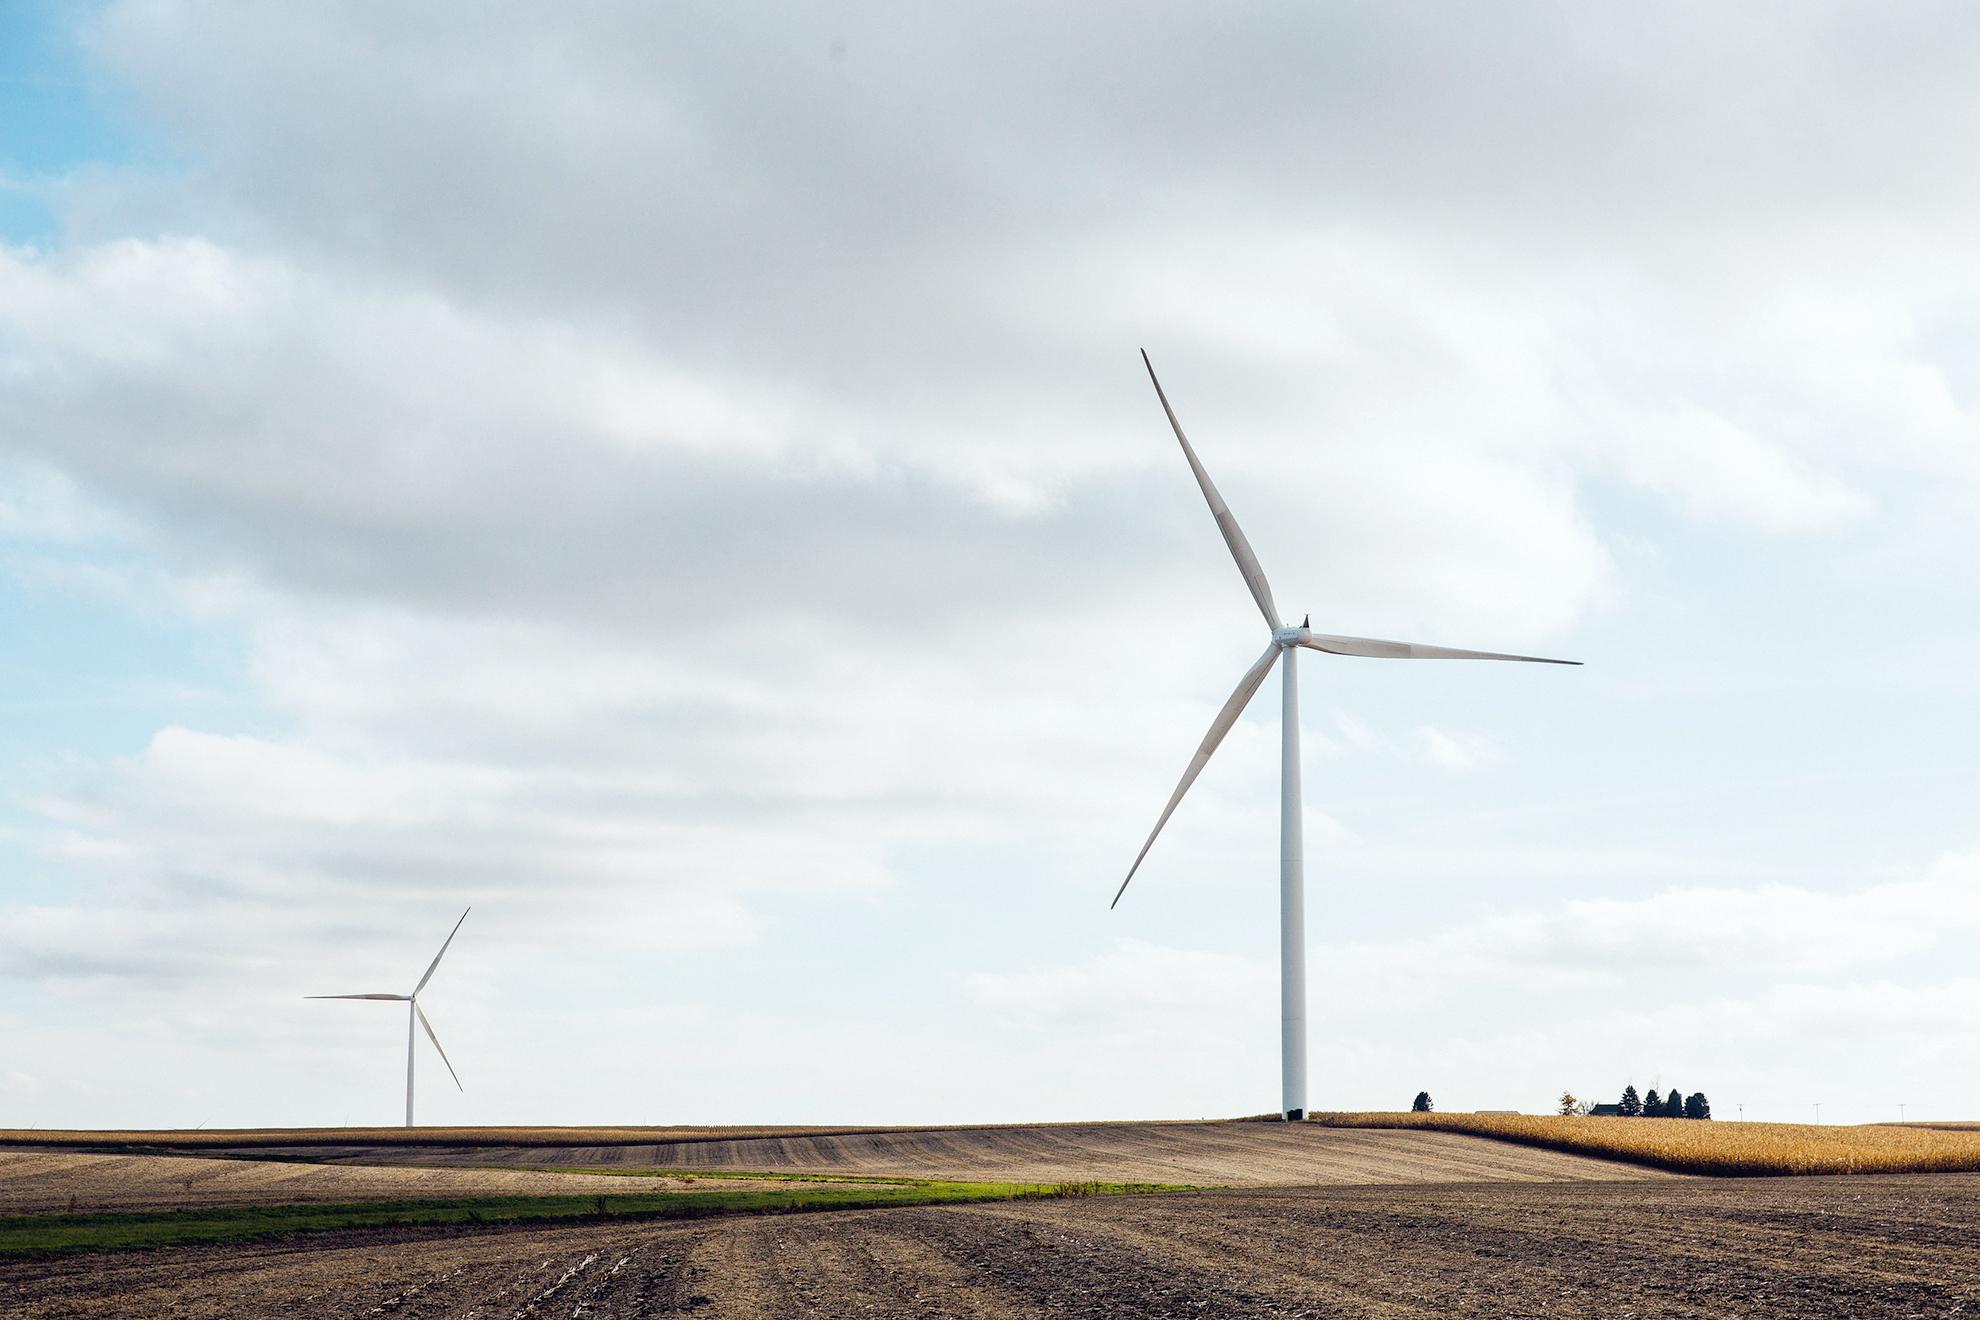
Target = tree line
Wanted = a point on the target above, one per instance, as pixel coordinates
(1632, 1105)
(1669, 1105)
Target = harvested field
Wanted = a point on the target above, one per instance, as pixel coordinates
(54, 1181)
(1210, 1154)
(233, 1138)
(1859, 1247)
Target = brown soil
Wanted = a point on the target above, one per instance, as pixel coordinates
(42, 1182)
(1858, 1247)
(1199, 1154)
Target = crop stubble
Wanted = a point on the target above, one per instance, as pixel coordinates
(1201, 1154)
(44, 1181)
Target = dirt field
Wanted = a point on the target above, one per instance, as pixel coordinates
(51, 1181)
(232, 1138)
(1199, 1154)
(1858, 1247)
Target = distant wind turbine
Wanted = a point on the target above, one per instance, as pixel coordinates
(1292, 877)
(413, 1013)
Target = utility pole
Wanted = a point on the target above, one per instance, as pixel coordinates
(1818, 1111)
(1900, 1113)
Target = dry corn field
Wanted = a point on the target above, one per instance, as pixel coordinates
(1734, 1149)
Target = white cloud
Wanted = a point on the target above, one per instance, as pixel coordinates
(1777, 934)
(1718, 470)
(1455, 750)
(1137, 988)
(19, 1083)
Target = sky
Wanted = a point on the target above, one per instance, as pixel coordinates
(680, 480)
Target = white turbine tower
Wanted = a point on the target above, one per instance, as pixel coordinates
(1292, 876)
(414, 1013)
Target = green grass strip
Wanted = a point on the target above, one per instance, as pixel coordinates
(124, 1230)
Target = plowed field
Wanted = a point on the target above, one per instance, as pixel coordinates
(1201, 1154)
(1867, 1247)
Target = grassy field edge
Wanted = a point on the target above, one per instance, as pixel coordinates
(121, 1230)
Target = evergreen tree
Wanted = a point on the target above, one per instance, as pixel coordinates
(1631, 1104)
(1673, 1104)
(1653, 1104)
(1421, 1105)
(1697, 1106)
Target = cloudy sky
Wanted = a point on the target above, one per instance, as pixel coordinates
(680, 480)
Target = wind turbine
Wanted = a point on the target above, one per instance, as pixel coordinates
(1292, 873)
(414, 1013)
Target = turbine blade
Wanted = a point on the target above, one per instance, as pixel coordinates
(438, 956)
(1247, 562)
(1377, 649)
(1246, 688)
(420, 1013)
(399, 998)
